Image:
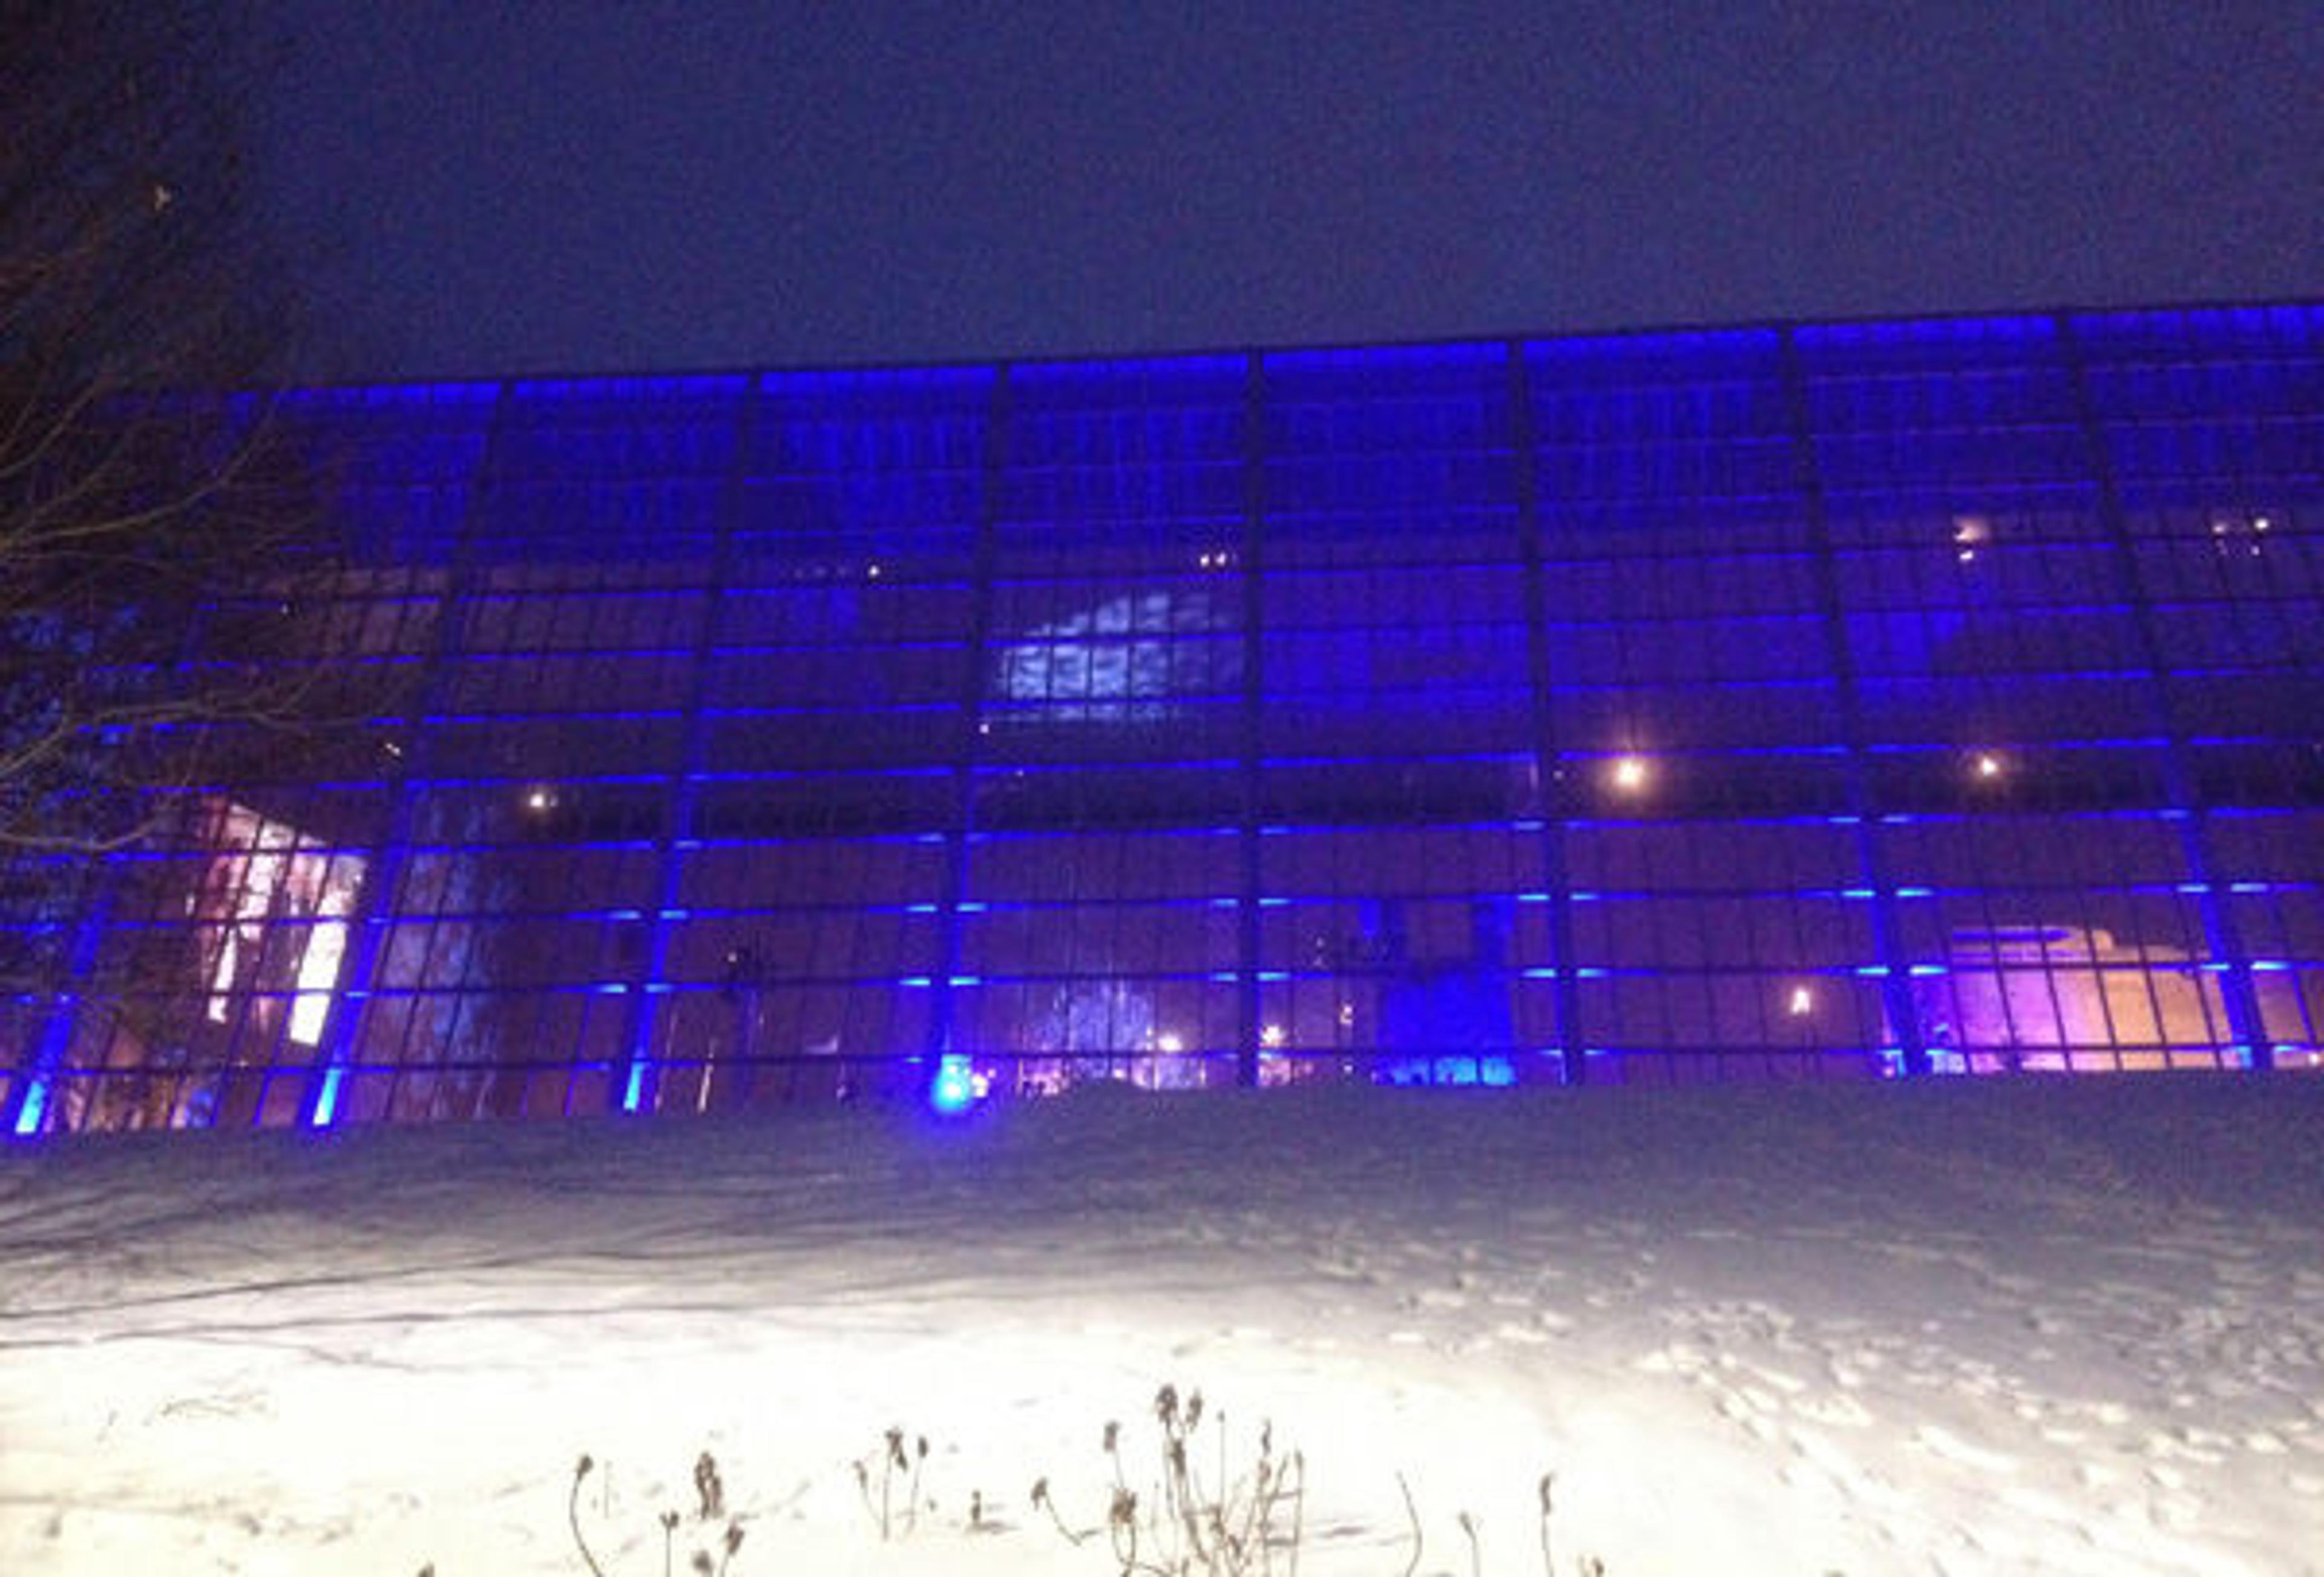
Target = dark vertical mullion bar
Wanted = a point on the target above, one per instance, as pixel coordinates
(1250, 942)
(984, 567)
(681, 818)
(2189, 817)
(1565, 991)
(374, 914)
(1896, 983)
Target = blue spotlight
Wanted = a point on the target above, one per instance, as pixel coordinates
(326, 1101)
(36, 1101)
(954, 1090)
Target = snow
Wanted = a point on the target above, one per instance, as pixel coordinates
(1950, 1326)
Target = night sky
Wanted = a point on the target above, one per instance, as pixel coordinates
(468, 189)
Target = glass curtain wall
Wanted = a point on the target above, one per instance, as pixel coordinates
(1837, 700)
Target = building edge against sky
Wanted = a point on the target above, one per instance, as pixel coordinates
(1852, 699)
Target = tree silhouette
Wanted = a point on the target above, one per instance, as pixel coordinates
(160, 529)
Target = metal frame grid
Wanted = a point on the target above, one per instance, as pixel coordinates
(1834, 700)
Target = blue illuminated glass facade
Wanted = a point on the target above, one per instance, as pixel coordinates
(1853, 700)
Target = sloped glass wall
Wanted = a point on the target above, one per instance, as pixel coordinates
(1843, 700)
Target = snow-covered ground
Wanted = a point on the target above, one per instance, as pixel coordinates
(1950, 1326)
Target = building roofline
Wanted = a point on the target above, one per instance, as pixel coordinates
(1318, 347)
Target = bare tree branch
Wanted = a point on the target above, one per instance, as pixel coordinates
(164, 531)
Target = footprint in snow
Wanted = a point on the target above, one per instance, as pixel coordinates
(1952, 1448)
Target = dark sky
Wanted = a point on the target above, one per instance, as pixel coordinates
(584, 186)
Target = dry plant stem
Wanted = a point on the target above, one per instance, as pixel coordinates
(887, 1476)
(734, 1543)
(1548, 1565)
(710, 1493)
(1184, 1500)
(1298, 1465)
(1231, 1527)
(1468, 1530)
(1121, 1531)
(1259, 1509)
(573, 1517)
(1044, 1499)
(1290, 1482)
(1409, 1511)
(1222, 1451)
(1113, 1453)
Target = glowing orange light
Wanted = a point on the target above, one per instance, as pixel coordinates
(1630, 774)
